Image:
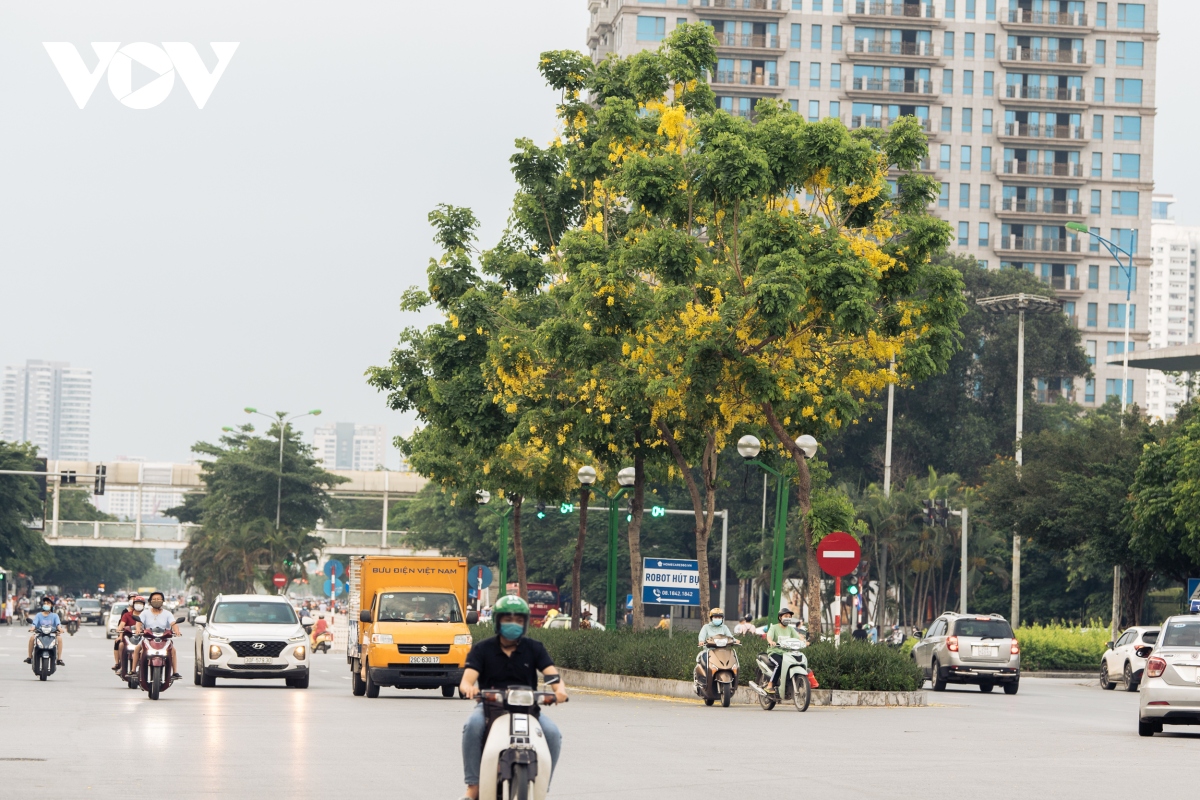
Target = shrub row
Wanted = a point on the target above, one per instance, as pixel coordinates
(1061, 647)
(652, 654)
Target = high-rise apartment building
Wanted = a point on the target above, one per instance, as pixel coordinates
(48, 403)
(1039, 113)
(345, 445)
(1172, 301)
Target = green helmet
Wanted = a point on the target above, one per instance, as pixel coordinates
(509, 604)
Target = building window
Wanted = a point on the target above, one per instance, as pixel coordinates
(989, 45)
(1125, 204)
(1130, 54)
(1089, 391)
(1126, 165)
(947, 121)
(950, 9)
(989, 13)
(1093, 243)
(1126, 238)
(837, 6)
(814, 75)
(797, 5)
(1098, 90)
(970, 4)
(968, 81)
(968, 45)
(984, 233)
(1098, 127)
(814, 110)
(1101, 51)
(1113, 389)
(948, 44)
(989, 84)
(795, 104)
(1129, 90)
(1091, 315)
(968, 119)
(944, 157)
(651, 29)
(1101, 15)
(985, 194)
(815, 37)
(1127, 129)
(818, 5)
(964, 195)
(1097, 165)
(964, 159)
(948, 81)
(1131, 15)
(836, 41)
(964, 234)
(1094, 276)
(835, 109)
(794, 74)
(795, 42)
(987, 120)
(1119, 279)
(835, 76)
(1116, 315)
(944, 196)
(1097, 201)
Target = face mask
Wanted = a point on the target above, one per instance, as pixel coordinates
(157, 604)
(138, 606)
(512, 630)
(45, 608)
(787, 621)
(718, 620)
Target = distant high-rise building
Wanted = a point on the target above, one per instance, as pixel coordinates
(1172, 317)
(1038, 113)
(49, 404)
(345, 445)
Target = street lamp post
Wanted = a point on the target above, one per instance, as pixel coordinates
(1006, 304)
(280, 418)
(748, 448)
(626, 479)
(1116, 251)
(483, 497)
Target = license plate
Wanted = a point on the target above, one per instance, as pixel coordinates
(259, 660)
(424, 660)
(984, 651)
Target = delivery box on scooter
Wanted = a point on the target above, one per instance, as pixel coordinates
(408, 622)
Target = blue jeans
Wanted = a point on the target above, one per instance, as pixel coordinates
(472, 744)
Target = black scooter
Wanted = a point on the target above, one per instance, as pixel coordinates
(45, 652)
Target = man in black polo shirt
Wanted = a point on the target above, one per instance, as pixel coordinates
(510, 658)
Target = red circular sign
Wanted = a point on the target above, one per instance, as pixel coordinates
(280, 580)
(838, 554)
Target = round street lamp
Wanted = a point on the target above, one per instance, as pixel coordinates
(586, 475)
(483, 497)
(627, 476)
(808, 444)
(749, 447)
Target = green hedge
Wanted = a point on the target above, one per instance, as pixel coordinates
(1061, 647)
(652, 654)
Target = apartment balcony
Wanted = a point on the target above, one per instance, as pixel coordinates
(1068, 174)
(752, 43)
(1058, 135)
(1020, 245)
(889, 89)
(921, 15)
(863, 121)
(909, 52)
(747, 82)
(1023, 57)
(1063, 285)
(1076, 24)
(1014, 207)
(769, 9)
(1038, 96)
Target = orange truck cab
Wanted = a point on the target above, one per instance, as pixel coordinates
(408, 623)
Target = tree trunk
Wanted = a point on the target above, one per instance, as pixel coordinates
(881, 588)
(702, 507)
(518, 548)
(636, 506)
(804, 496)
(1134, 583)
(577, 567)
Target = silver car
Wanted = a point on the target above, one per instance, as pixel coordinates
(970, 648)
(1170, 689)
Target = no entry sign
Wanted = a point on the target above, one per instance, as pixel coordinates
(280, 580)
(838, 554)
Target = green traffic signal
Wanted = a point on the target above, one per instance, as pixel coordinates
(853, 590)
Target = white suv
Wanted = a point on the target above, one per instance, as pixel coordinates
(251, 636)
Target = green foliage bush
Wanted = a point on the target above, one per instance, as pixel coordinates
(1061, 647)
(652, 654)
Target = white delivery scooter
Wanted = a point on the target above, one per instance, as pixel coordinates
(516, 759)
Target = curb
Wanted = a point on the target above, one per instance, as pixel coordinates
(743, 696)
(1060, 674)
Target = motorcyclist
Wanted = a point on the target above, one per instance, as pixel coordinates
(783, 629)
(715, 626)
(319, 628)
(158, 617)
(46, 616)
(125, 626)
(510, 658)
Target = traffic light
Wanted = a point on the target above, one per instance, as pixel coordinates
(942, 511)
(101, 477)
(67, 476)
(566, 508)
(853, 588)
(541, 510)
(39, 465)
(927, 513)
(658, 511)
(101, 588)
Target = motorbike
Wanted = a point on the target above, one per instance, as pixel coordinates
(715, 675)
(192, 613)
(45, 652)
(154, 663)
(795, 681)
(72, 622)
(130, 645)
(516, 759)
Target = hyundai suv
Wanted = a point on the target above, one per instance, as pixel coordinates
(251, 636)
(967, 648)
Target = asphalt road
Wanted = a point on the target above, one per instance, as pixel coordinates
(82, 734)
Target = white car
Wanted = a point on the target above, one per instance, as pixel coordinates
(114, 619)
(1120, 658)
(250, 636)
(1170, 692)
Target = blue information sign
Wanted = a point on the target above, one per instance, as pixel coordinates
(334, 568)
(479, 576)
(1192, 600)
(671, 581)
(334, 587)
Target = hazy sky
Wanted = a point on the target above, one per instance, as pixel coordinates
(254, 252)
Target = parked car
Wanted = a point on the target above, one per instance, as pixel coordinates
(967, 648)
(1121, 658)
(1170, 689)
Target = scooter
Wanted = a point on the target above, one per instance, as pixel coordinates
(45, 652)
(516, 759)
(154, 663)
(72, 622)
(716, 670)
(795, 681)
(132, 641)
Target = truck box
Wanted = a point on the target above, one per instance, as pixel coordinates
(408, 623)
